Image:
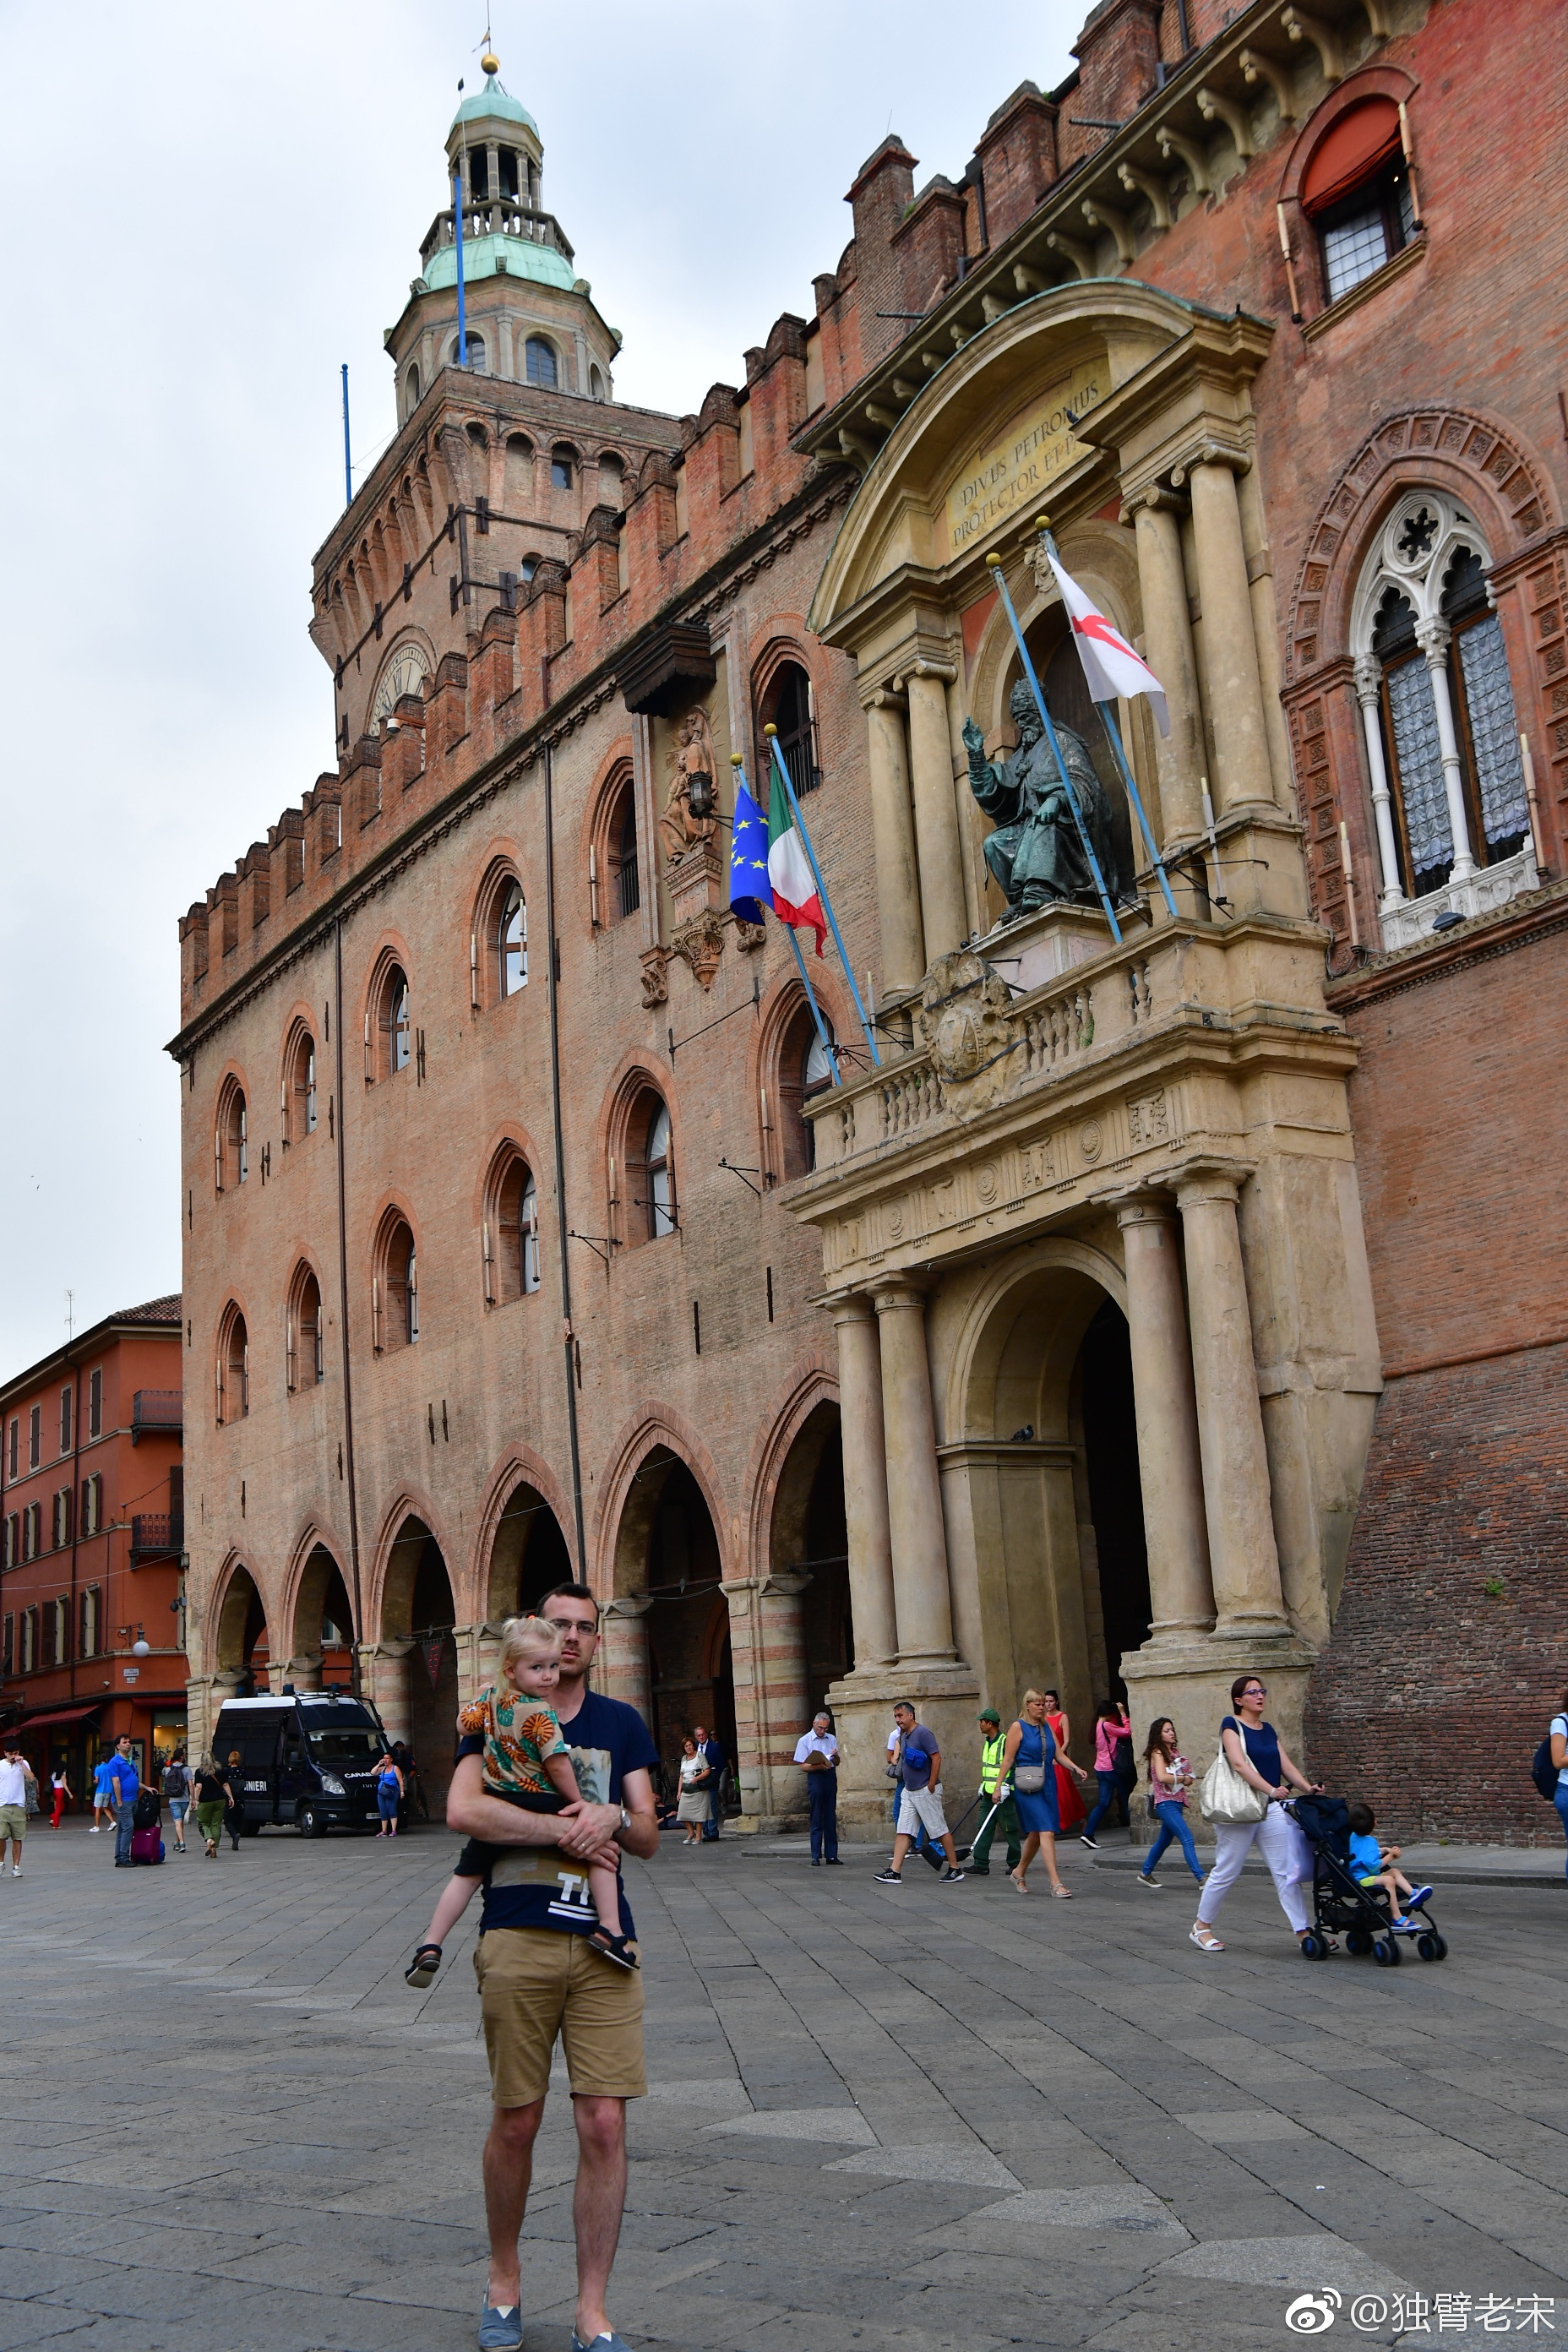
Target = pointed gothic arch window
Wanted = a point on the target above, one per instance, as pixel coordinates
(1449, 798)
(511, 1231)
(233, 1366)
(788, 704)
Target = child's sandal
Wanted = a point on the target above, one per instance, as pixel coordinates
(421, 1970)
(613, 1947)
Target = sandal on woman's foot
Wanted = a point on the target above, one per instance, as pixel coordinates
(421, 1970)
(613, 1947)
(1064, 1892)
(1017, 1882)
(1204, 1937)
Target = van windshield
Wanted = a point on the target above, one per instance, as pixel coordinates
(346, 1745)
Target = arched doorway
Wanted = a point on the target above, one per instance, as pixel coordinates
(808, 1535)
(1105, 1415)
(243, 1646)
(417, 1609)
(1041, 1481)
(667, 1550)
(324, 1625)
(528, 1557)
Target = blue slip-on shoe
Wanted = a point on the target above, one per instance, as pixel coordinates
(500, 2327)
(1421, 1895)
(614, 2342)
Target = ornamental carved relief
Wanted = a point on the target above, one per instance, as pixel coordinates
(966, 1024)
(700, 942)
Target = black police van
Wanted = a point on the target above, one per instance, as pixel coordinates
(307, 1761)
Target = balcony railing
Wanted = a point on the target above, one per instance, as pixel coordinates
(497, 216)
(162, 1410)
(154, 1533)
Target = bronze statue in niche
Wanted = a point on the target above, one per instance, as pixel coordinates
(1036, 853)
(692, 801)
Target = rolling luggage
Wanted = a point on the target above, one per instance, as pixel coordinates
(147, 1845)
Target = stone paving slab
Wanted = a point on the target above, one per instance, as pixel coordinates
(913, 2119)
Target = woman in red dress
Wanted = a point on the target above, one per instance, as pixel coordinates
(1069, 1803)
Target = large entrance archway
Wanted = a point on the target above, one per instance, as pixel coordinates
(417, 1679)
(1041, 1480)
(241, 1642)
(528, 1557)
(667, 1553)
(808, 1537)
(321, 1646)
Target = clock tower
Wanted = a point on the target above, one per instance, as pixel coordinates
(508, 454)
(529, 316)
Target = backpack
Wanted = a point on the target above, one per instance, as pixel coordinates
(1542, 1770)
(145, 1812)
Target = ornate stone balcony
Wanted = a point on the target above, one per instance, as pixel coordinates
(1482, 893)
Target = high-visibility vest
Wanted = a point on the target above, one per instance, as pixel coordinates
(991, 1763)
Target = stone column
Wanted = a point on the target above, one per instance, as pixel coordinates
(1168, 641)
(866, 1484)
(893, 841)
(1170, 1468)
(386, 1669)
(943, 916)
(1433, 639)
(1243, 1555)
(783, 1709)
(921, 1597)
(623, 1647)
(1368, 693)
(1237, 726)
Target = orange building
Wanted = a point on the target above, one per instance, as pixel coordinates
(91, 1542)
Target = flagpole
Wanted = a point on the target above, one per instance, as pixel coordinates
(772, 734)
(462, 177)
(995, 562)
(823, 1038)
(1114, 732)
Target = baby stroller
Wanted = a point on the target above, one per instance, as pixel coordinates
(1341, 1904)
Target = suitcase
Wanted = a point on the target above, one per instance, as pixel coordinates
(147, 1845)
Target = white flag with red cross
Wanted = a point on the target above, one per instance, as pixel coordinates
(1110, 664)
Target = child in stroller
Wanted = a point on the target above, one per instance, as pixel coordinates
(1343, 1903)
(1374, 1865)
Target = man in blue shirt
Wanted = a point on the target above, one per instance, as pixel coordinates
(540, 1978)
(124, 1782)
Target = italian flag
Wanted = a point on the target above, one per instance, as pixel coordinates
(789, 870)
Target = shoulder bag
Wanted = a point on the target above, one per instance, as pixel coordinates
(1029, 1779)
(1226, 1797)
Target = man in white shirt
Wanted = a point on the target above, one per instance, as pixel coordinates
(15, 1774)
(818, 1751)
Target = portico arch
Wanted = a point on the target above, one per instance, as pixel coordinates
(668, 1630)
(414, 1666)
(238, 1642)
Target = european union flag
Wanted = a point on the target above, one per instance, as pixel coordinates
(748, 890)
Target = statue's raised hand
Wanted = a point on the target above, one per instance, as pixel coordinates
(973, 740)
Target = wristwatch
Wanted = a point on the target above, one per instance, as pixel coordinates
(625, 1819)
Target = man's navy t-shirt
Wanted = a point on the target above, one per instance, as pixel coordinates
(538, 1885)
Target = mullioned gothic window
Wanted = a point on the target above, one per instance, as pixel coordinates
(1448, 789)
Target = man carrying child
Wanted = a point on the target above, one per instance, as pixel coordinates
(540, 1978)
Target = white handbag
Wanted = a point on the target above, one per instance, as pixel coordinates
(1227, 1797)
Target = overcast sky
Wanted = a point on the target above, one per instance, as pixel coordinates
(207, 210)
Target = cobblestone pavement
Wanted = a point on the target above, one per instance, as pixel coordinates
(892, 2119)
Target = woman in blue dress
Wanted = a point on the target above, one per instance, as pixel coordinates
(1031, 1752)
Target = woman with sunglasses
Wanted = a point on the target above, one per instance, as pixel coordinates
(1253, 1748)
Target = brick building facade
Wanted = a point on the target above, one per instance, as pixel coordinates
(553, 1251)
(91, 1531)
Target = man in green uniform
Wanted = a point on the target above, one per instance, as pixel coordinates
(992, 1742)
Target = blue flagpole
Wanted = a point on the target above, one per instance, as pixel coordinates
(1114, 732)
(995, 562)
(823, 1037)
(773, 735)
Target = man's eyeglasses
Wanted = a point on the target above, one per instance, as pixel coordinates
(573, 1626)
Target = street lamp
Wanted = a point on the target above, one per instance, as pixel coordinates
(141, 1647)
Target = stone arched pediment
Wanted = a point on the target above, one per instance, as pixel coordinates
(988, 436)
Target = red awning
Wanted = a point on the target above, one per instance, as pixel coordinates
(58, 1714)
(1358, 144)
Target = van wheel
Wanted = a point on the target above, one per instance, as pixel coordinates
(312, 1824)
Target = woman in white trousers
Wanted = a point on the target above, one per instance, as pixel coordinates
(1253, 1746)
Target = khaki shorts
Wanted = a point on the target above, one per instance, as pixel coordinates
(921, 1806)
(538, 1982)
(12, 1822)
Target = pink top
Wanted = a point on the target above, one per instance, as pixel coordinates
(1161, 1790)
(1107, 1732)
